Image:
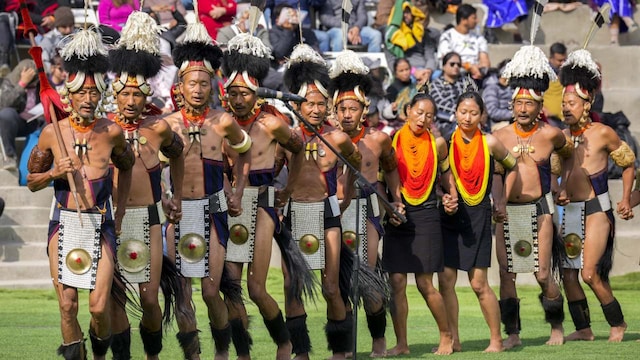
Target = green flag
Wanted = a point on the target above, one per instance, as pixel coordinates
(395, 19)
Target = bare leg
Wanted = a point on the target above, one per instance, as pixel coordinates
(447, 282)
(508, 294)
(379, 344)
(336, 310)
(238, 317)
(594, 247)
(399, 313)
(489, 306)
(550, 289)
(575, 295)
(217, 309)
(100, 298)
(257, 278)
(434, 300)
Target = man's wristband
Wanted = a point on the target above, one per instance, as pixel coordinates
(22, 84)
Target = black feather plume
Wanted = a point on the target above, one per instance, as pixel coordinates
(134, 62)
(195, 51)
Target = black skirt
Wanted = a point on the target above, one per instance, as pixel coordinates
(467, 236)
(416, 245)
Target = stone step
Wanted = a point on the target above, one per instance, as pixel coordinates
(18, 251)
(27, 215)
(25, 270)
(16, 196)
(26, 284)
(23, 233)
(8, 177)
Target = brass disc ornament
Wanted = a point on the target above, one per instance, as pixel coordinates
(238, 234)
(133, 255)
(572, 245)
(309, 244)
(523, 248)
(78, 261)
(350, 239)
(192, 247)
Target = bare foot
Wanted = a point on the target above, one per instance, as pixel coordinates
(445, 347)
(221, 356)
(495, 346)
(583, 334)
(398, 350)
(244, 357)
(617, 333)
(557, 336)
(378, 348)
(338, 356)
(284, 351)
(304, 356)
(512, 341)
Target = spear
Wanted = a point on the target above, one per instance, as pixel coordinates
(48, 96)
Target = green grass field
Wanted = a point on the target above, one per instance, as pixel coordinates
(29, 327)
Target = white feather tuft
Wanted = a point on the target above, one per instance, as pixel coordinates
(140, 33)
(305, 53)
(197, 33)
(248, 44)
(582, 58)
(84, 44)
(529, 61)
(348, 61)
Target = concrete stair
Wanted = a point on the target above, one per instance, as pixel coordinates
(23, 235)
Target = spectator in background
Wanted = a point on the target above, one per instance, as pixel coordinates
(170, 15)
(497, 97)
(401, 91)
(285, 34)
(499, 13)
(407, 36)
(383, 10)
(8, 21)
(114, 13)
(445, 90)
(620, 10)
(57, 74)
(464, 40)
(215, 14)
(241, 25)
(63, 25)
(305, 5)
(377, 97)
(18, 95)
(359, 33)
(552, 104)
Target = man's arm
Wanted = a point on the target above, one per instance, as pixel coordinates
(623, 156)
(240, 142)
(123, 158)
(172, 147)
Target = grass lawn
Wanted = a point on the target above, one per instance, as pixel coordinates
(29, 327)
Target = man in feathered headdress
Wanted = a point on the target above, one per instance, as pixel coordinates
(522, 248)
(313, 212)
(139, 254)
(246, 64)
(588, 212)
(350, 86)
(202, 233)
(82, 230)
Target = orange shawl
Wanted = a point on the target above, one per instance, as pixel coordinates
(470, 165)
(417, 164)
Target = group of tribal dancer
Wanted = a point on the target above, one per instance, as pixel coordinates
(440, 198)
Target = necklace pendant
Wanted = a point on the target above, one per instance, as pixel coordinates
(314, 151)
(307, 149)
(185, 131)
(531, 149)
(516, 149)
(321, 152)
(203, 131)
(142, 140)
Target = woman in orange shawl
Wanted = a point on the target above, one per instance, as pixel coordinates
(467, 233)
(416, 245)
